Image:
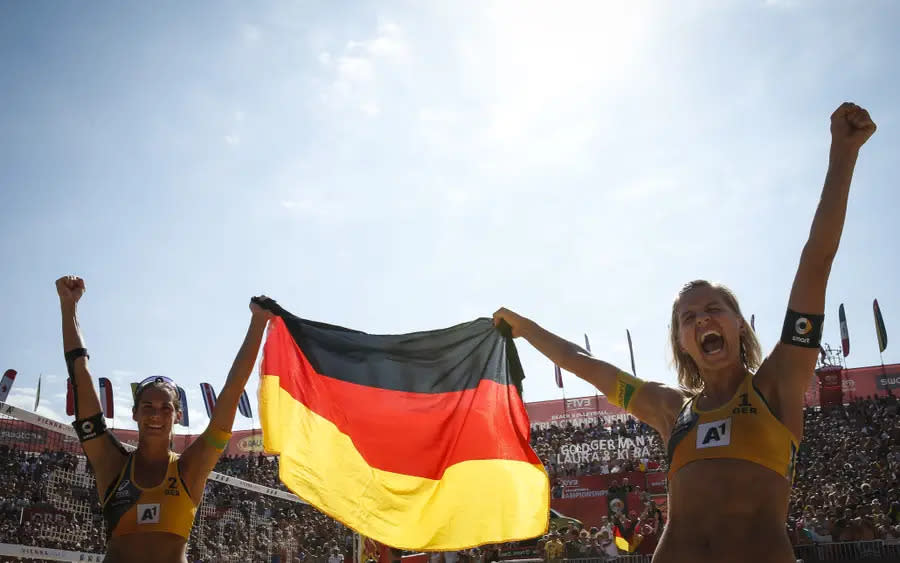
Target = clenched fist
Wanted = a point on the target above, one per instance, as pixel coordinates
(851, 126)
(517, 323)
(70, 289)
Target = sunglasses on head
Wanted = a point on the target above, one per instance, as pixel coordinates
(154, 379)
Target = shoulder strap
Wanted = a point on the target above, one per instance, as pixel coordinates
(125, 471)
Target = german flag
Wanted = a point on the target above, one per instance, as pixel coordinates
(419, 441)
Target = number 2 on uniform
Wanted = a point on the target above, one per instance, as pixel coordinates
(172, 482)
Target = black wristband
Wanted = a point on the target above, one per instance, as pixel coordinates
(73, 355)
(90, 427)
(802, 329)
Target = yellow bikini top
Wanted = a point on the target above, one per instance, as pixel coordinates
(167, 507)
(744, 428)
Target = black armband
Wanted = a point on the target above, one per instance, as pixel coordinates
(802, 329)
(90, 427)
(71, 356)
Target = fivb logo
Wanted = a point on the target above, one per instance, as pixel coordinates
(578, 403)
(148, 513)
(714, 434)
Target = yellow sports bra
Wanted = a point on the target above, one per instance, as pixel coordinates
(744, 428)
(167, 507)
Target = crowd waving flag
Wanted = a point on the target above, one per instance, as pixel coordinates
(419, 441)
(9, 377)
(845, 332)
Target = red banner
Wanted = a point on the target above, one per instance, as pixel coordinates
(830, 392)
(859, 383)
(588, 498)
(656, 483)
(580, 410)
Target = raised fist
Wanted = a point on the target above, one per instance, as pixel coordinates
(70, 289)
(515, 321)
(851, 126)
(261, 305)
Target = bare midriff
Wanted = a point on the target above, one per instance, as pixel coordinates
(726, 510)
(152, 547)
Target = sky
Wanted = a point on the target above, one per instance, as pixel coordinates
(401, 166)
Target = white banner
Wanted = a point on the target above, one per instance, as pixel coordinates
(34, 552)
(235, 482)
(606, 450)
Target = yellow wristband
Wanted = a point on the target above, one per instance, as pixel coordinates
(216, 438)
(627, 387)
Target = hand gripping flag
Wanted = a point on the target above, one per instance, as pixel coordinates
(419, 441)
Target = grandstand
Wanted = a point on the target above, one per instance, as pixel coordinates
(845, 505)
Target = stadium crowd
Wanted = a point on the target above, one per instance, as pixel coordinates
(550, 442)
(847, 489)
(847, 484)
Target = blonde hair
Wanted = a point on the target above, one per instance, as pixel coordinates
(688, 373)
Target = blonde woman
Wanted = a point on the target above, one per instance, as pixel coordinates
(734, 425)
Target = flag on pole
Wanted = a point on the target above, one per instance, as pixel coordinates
(845, 333)
(70, 398)
(753, 322)
(587, 344)
(209, 398)
(631, 352)
(9, 377)
(37, 396)
(879, 327)
(558, 374)
(106, 397)
(184, 407)
(390, 434)
(244, 405)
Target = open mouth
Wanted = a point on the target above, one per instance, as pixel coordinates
(711, 342)
(155, 426)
